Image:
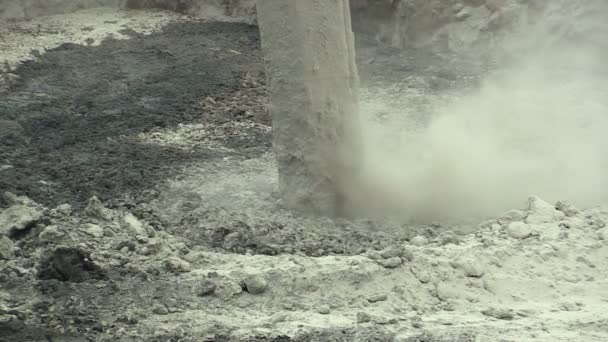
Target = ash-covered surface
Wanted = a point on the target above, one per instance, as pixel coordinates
(103, 274)
(69, 123)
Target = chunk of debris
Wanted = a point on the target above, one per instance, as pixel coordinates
(177, 265)
(463, 13)
(226, 289)
(51, 234)
(421, 274)
(160, 309)
(18, 218)
(324, 309)
(377, 298)
(363, 317)
(540, 211)
(471, 266)
(446, 291)
(373, 254)
(567, 208)
(391, 262)
(448, 237)
(392, 252)
(419, 241)
(6, 248)
(511, 216)
(92, 229)
(97, 210)
(206, 288)
(569, 306)
(499, 313)
(519, 230)
(63, 209)
(131, 223)
(255, 284)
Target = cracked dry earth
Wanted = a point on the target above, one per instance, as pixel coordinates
(139, 205)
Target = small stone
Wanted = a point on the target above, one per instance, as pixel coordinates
(419, 241)
(18, 217)
(93, 230)
(363, 317)
(160, 309)
(124, 250)
(519, 230)
(6, 248)
(391, 262)
(207, 288)
(50, 234)
(324, 309)
(392, 252)
(255, 284)
(377, 298)
(499, 313)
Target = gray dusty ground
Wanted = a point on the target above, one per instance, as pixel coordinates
(190, 243)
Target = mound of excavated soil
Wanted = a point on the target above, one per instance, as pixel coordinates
(536, 274)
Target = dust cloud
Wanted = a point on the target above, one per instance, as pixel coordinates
(537, 124)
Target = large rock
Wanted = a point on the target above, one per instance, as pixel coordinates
(17, 218)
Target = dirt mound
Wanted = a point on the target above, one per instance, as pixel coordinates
(533, 274)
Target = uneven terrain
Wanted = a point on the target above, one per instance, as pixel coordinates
(139, 204)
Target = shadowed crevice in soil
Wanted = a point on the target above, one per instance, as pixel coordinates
(70, 124)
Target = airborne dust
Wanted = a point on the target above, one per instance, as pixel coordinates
(536, 124)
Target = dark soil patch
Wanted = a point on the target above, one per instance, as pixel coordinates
(69, 264)
(69, 126)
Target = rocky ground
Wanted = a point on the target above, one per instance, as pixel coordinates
(139, 204)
